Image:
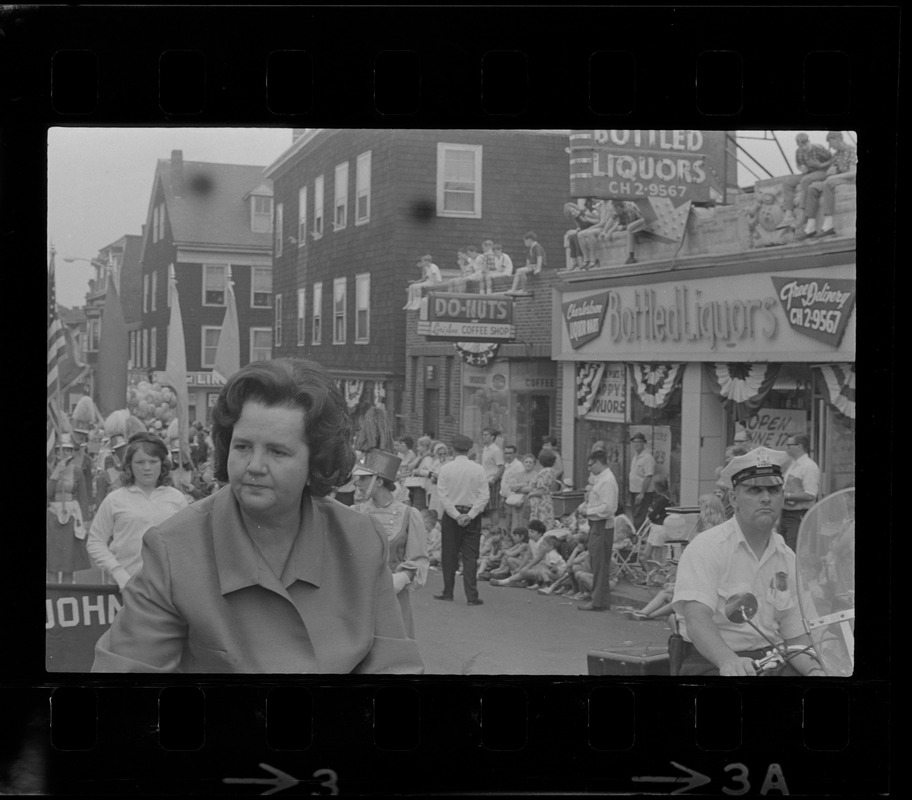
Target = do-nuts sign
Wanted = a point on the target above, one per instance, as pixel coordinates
(584, 318)
(817, 307)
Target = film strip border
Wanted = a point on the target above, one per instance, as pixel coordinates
(431, 736)
(391, 66)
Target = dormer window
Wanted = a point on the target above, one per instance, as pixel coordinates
(260, 213)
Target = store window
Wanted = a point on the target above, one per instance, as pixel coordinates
(260, 344)
(339, 304)
(340, 204)
(318, 208)
(214, 278)
(362, 308)
(260, 214)
(302, 216)
(210, 345)
(459, 180)
(261, 287)
(317, 316)
(362, 188)
(613, 414)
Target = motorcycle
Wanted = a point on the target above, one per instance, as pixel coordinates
(826, 591)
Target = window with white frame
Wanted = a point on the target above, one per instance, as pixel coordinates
(132, 364)
(362, 188)
(260, 344)
(153, 347)
(211, 335)
(145, 293)
(214, 277)
(277, 324)
(161, 222)
(339, 286)
(318, 208)
(302, 305)
(153, 291)
(302, 216)
(92, 336)
(279, 224)
(458, 180)
(340, 206)
(260, 213)
(154, 224)
(261, 287)
(362, 308)
(317, 316)
(145, 347)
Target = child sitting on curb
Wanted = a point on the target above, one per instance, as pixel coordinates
(491, 551)
(432, 527)
(542, 564)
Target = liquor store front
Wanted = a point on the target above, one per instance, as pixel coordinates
(691, 361)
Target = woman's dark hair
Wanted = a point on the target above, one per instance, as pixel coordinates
(537, 525)
(408, 441)
(291, 383)
(552, 440)
(151, 445)
(547, 458)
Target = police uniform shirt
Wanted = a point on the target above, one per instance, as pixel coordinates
(719, 563)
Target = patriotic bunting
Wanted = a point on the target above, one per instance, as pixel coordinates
(655, 383)
(477, 354)
(840, 383)
(742, 386)
(588, 378)
(353, 391)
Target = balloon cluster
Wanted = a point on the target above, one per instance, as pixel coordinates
(152, 402)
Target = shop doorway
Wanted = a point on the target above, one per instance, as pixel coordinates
(533, 421)
(431, 411)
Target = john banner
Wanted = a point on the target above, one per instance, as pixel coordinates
(76, 615)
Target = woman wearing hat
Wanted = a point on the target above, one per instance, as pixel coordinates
(375, 482)
(67, 510)
(143, 501)
(267, 575)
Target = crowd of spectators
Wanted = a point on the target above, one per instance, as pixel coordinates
(95, 515)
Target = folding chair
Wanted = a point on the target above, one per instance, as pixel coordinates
(628, 542)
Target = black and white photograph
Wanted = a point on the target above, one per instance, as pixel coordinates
(452, 402)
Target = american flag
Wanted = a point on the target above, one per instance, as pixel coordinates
(56, 342)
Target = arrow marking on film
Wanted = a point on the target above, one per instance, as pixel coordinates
(280, 782)
(692, 781)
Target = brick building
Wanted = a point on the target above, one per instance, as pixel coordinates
(355, 210)
(207, 221)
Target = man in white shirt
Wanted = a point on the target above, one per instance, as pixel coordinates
(462, 488)
(802, 485)
(639, 481)
(742, 555)
(513, 468)
(600, 507)
(492, 459)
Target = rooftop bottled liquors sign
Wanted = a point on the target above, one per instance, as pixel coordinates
(680, 165)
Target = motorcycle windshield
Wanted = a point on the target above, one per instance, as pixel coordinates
(826, 580)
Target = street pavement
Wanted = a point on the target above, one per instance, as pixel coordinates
(520, 632)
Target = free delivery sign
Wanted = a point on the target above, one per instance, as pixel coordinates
(817, 307)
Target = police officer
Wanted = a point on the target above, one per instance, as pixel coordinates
(743, 554)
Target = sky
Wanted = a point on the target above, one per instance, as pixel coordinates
(100, 180)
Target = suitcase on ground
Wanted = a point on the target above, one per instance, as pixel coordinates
(629, 661)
